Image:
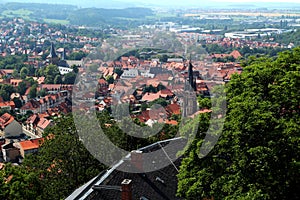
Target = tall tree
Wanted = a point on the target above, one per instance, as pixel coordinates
(63, 162)
(257, 157)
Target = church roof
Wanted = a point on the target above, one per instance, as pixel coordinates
(52, 52)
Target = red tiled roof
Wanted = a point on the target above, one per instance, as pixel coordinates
(173, 109)
(30, 105)
(44, 123)
(5, 120)
(236, 54)
(150, 96)
(31, 144)
(171, 122)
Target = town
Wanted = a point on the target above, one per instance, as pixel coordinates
(162, 72)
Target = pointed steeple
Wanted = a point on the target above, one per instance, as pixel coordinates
(52, 51)
(63, 57)
(191, 75)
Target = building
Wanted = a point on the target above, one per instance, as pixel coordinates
(9, 126)
(52, 57)
(116, 184)
(10, 152)
(42, 125)
(29, 146)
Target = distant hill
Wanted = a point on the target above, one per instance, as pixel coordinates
(82, 3)
(61, 13)
(98, 16)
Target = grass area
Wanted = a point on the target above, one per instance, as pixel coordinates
(252, 14)
(56, 21)
(160, 15)
(16, 13)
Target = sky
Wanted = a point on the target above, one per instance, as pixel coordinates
(210, 3)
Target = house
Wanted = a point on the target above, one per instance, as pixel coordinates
(9, 126)
(139, 175)
(42, 125)
(29, 146)
(32, 105)
(8, 105)
(148, 97)
(10, 152)
(31, 123)
(173, 108)
(131, 73)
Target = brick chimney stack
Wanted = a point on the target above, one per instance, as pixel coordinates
(137, 160)
(126, 187)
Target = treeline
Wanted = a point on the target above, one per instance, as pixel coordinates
(287, 38)
(100, 16)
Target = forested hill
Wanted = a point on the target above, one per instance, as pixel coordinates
(96, 16)
(72, 14)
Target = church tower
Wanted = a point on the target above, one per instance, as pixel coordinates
(189, 105)
(53, 58)
(192, 80)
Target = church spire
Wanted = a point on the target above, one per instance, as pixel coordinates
(52, 51)
(191, 75)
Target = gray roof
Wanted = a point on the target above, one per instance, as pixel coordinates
(159, 184)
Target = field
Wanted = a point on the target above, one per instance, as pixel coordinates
(56, 21)
(17, 13)
(250, 14)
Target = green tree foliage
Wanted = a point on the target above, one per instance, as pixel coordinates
(18, 182)
(110, 79)
(24, 72)
(63, 162)
(57, 79)
(118, 71)
(42, 92)
(51, 72)
(22, 88)
(18, 102)
(69, 78)
(160, 101)
(6, 90)
(257, 156)
(77, 55)
(33, 91)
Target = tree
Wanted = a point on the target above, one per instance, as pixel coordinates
(33, 91)
(18, 182)
(51, 72)
(6, 90)
(118, 71)
(42, 92)
(110, 79)
(18, 102)
(22, 87)
(63, 161)
(69, 78)
(57, 79)
(23, 73)
(257, 156)
(75, 68)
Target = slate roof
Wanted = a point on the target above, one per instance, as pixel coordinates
(159, 185)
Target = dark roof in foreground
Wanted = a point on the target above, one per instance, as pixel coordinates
(159, 184)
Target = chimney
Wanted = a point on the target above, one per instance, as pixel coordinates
(126, 187)
(137, 160)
